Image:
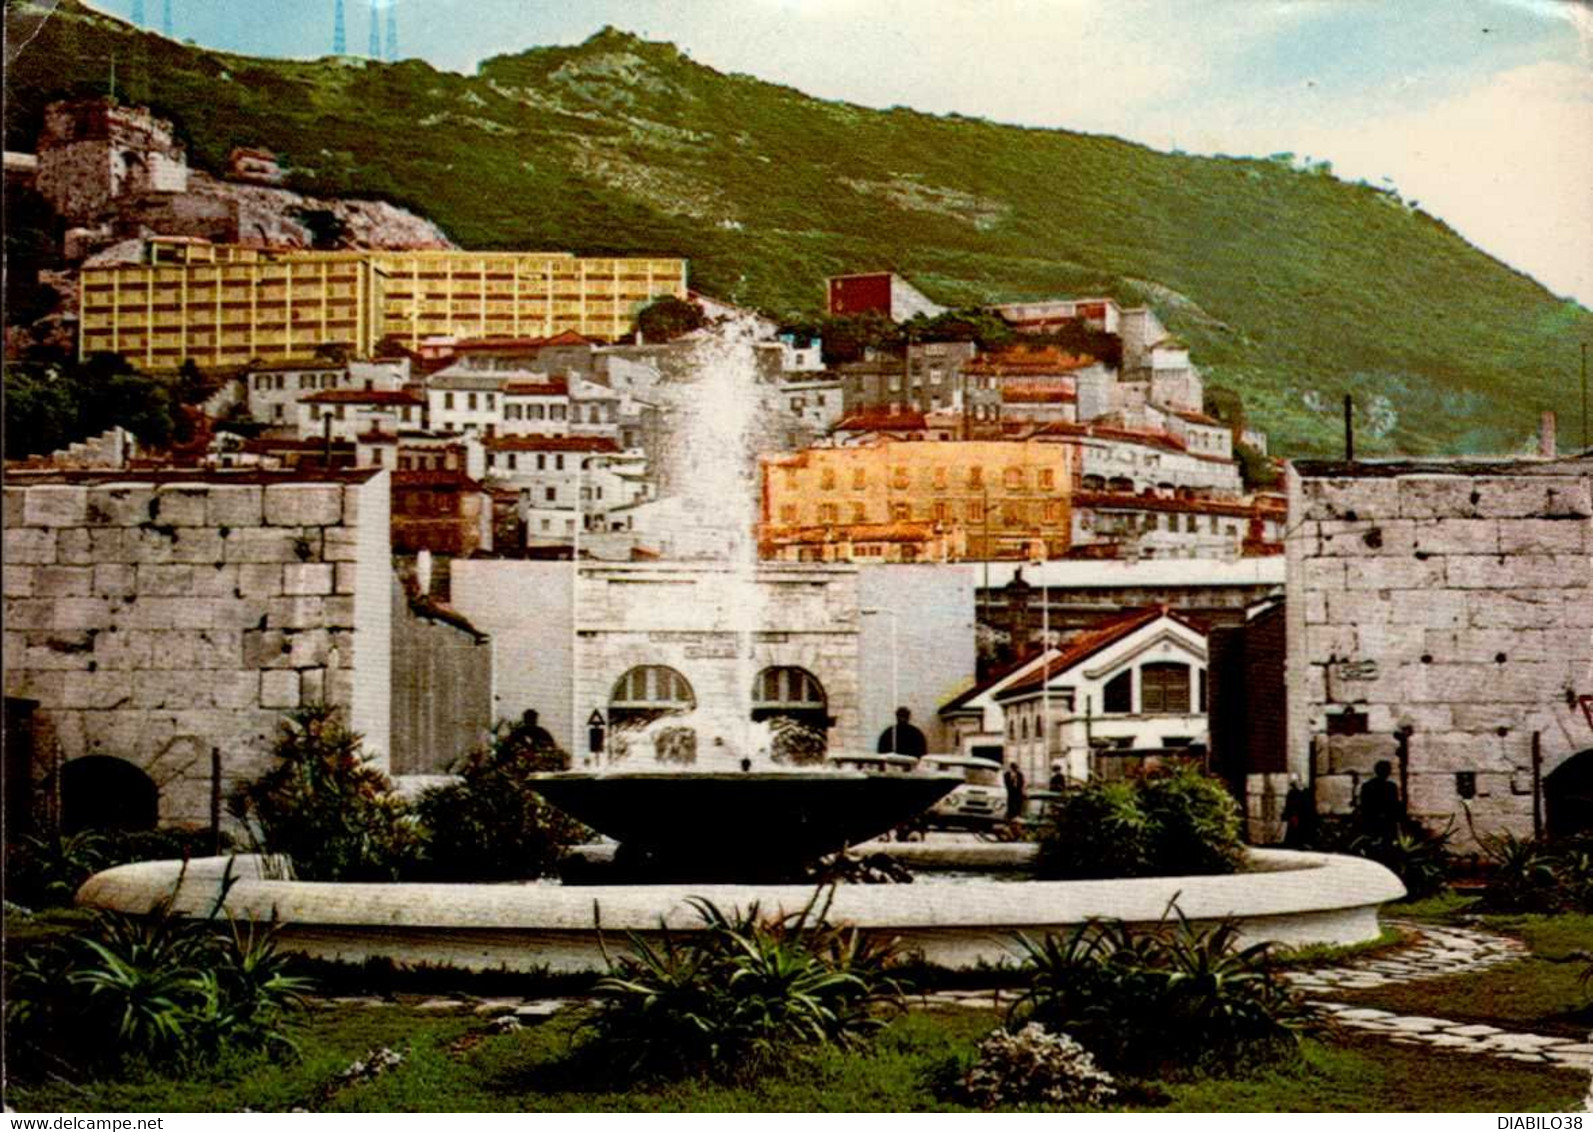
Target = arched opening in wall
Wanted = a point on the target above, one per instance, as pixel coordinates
(792, 701)
(641, 700)
(1568, 797)
(100, 792)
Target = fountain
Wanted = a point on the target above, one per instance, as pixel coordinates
(716, 803)
(688, 781)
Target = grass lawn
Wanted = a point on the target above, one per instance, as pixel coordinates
(1536, 993)
(450, 1066)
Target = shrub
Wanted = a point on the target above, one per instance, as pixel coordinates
(1419, 856)
(492, 825)
(1530, 874)
(1175, 822)
(47, 871)
(1176, 997)
(1035, 1066)
(326, 806)
(158, 987)
(740, 997)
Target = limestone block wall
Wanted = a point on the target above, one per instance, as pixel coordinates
(1451, 606)
(442, 688)
(153, 618)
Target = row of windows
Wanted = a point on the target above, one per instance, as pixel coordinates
(1012, 479)
(1007, 514)
(1152, 521)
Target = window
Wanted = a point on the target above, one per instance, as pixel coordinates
(376, 457)
(1118, 695)
(1047, 479)
(829, 513)
(542, 462)
(556, 412)
(491, 398)
(976, 476)
(551, 494)
(1201, 707)
(859, 479)
(899, 476)
(788, 513)
(1012, 479)
(940, 479)
(976, 511)
(514, 462)
(448, 400)
(558, 462)
(901, 512)
(942, 512)
(827, 479)
(859, 513)
(1164, 688)
(471, 401)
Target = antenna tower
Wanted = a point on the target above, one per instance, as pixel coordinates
(339, 44)
(376, 31)
(392, 31)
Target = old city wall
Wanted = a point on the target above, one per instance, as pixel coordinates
(1456, 608)
(153, 619)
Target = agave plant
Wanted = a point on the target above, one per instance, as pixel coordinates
(1176, 996)
(741, 994)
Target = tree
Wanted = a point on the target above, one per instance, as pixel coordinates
(667, 318)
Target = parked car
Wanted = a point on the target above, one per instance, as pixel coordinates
(979, 803)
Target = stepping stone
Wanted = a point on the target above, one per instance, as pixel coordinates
(1415, 1024)
(1475, 1031)
(1366, 1014)
(538, 1009)
(1449, 1041)
(1575, 1060)
(497, 1006)
(1532, 1057)
(1584, 1049)
(439, 1004)
(1524, 1043)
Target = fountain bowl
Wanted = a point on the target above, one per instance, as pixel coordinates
(750, 823)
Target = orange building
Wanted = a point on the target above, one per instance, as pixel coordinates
(905, 501)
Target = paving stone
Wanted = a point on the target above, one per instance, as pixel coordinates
(439, 1004)
(1523, 1043)
(1475, 1031)
(1449, 1041)
(496, 1006)
(1367, 1014)
(540, 1008)
(1417, 1024)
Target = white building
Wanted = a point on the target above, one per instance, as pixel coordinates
(346, 413)
(461, 401)
(1133, 684)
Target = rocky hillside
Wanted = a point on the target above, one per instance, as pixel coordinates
(1290, 285)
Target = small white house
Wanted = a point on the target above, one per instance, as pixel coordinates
(346, 413)
(1134, 683)
(974, 720)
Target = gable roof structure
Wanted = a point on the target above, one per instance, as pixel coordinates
(1092, 643)
(963, 703)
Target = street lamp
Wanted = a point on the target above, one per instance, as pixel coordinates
(1045, 677)
(575, 628)
(896, 727)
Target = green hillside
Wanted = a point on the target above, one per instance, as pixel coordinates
(1290, 286)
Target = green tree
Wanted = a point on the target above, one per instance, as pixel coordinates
(667, 318)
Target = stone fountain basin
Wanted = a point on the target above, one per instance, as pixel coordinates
(1290, 897)
(742, 818)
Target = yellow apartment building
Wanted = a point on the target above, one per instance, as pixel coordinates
(918, 500)
(228, 306)
(223, 304)
(519, 294)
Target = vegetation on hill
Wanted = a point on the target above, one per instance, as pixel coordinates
(1289, 285)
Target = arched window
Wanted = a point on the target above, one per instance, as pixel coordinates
(100, 792)
(647, 692)
(1164, 688)
(792, 701)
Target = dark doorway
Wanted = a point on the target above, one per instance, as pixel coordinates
(1568, 797)
(104, 793)
(18, 766)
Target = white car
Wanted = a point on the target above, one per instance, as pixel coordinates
(981, 800)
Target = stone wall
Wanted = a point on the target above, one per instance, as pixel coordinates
(442, 687)
(1443, 614)
(155, 617)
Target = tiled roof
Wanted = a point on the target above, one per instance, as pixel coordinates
(1087, 644)
(876, 420)
(1049, 359)
(1030, 394)
(979, 689)
(514, 345)
(558, 387)
(362, 397)
(1149, 438)
(1198, 418)
(550, 444)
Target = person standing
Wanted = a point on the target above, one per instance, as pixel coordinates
(1381, 807)
(1015, 790)
(902, 738)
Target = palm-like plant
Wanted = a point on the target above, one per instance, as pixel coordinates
(742, 993)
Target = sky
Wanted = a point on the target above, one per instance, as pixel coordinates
(1481, 110)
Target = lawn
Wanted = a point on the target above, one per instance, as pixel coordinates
(451, 1064)
(1544, 993)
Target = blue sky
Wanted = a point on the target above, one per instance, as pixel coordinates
(1480, 109)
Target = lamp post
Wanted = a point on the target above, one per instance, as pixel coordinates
(896, 737)
(1045, 677)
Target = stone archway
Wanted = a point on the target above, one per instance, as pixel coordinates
(101, 792)
(1568, 796)
(792, 701)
